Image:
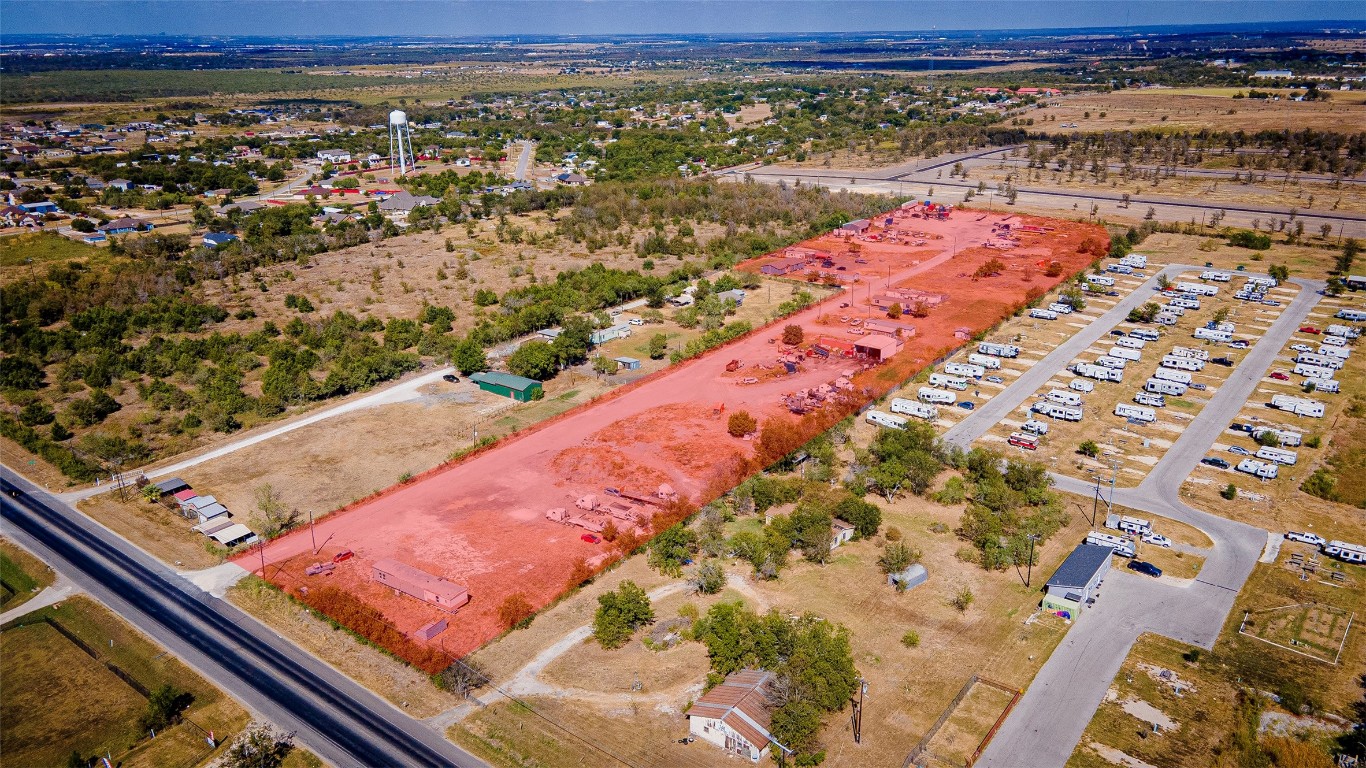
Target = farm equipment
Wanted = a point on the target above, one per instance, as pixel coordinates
(733, 365)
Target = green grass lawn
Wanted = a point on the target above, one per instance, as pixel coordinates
(21, 574)
(41, 247)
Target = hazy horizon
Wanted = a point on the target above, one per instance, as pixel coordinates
(461, 18)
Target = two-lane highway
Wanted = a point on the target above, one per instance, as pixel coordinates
(344, 723)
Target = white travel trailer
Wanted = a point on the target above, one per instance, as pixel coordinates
(1063, 396)
(1264, 283)
(1106, 361)
(1334, 341)
(1284, 436)
(1194, 354)
(1182, 363)
(1341, 353)
(1121, 269)
(912, 408)
(878, 418)
(1354, 315)
(1135, 412)
(1122, 547)
(1148, 398)
(1313, 371)
(937, 396)
(1060, 308)
(999, 350)
(1331, 386)
(1199, 289)
(1322, 361)
(1057, 410)
(964, 369)
(986, 361)
(1216, 276)
(1035, 427)
(1185, 302)
(948, 382)
(1043, 314)
(1342, 331)
(1129, 342)
(1298, 405)
(1351, 553)
(1278, 455)
(1081, 385)
(1207, 334)
(1144, 334)
(1130, 524)
(1165, 318)
(1098, 372)
(1167, 374)
(1022, 440)
(1125, 353)
(1100, 280)
(1135, 260)
(1164, 387)
(1263, 469)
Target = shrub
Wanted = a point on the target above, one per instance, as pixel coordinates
(1230, 493)
(911, 639)
(709, 579)
(792, 335)
(516, 611)
(348, 611)
(620, 613)
(1089, 449)
(963, 600)
(893, 533)
(741, 424)
(897, 557)
(1320, 484)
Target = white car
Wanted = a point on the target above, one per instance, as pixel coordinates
(636, 321)
(1157, 539)
(1301, 347)
(1307, 538)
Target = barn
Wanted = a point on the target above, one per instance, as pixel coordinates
(877, 347)
(415, 582)
(518, 388)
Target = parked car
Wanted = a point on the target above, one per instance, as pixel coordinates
(1302, 348)
(452, 378)
(1117, 333)
(1156, 539)
(1239, 344)
(995, 379)
(1199, 387)
(591, 538)
(1306, 537)
(636, 321)
(1112, 293)
(1240, 450)
(1147, 569)
(1224, 361)
(966, 405)
(1278, 376)
(1213, 461)
(1309, 329)
(1271, 302)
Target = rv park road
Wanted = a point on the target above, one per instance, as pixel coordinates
(343, 723)
(1074, 680)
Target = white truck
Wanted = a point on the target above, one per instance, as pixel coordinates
(964, 369)
(936, 396)
(948, 382)
(1136, 412)
(1298, 405)
(1164, 387)
(1063, 396)
(999, 350)
(1038, 313)
(1267, 470)
(986, 361)
(878, 418)
(912, 408)
(1209, 334)
(1167, 374)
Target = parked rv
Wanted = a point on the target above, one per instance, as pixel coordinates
(1057, 410)
(964, 369)
(1167, 374)
(1182, 363)
(1145, 334)
(937, 396)
(1121, 546)
(1035, 427)
(1128, 342)
(1060, 308)
(1106, 361)
(1278, 455)
(1135, 412)
(1207, 334)
(1020, 440)
(1330, 386)
(1043, 314)
(1125, 353)
(948, 382)
(1262, 469)
(1164, 387)
(986, 361)
(998, 350)
(1350, 553)
(887, 420)
(1098, 372)
(912, 408)
(1150, 399)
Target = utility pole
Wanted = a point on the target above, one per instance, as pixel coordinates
(858, 711)
(1029, 572)
(262, 549)
(311, 533)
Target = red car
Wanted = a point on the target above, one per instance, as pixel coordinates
(1309, 329)
(591, 538)
(1278, 376)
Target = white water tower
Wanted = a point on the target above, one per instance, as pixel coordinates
(400, 142)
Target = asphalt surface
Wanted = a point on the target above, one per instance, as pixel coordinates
(528, 149)
(343, 723)
(1045, 728)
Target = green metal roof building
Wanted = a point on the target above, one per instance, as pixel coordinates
(518, 388)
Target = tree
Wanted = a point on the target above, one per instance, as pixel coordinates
(1350, 249)
(574, 341)
(659, 346)
(1089, 449)
(535, 360)
(620, 613)
(516, 611)
(894, 311)
(274, 517)
(164, 707)
(709, 579)
(1220, 315)
(468, 357)
(1279, 272)
(897, 557)
(604, 365)
(671, 548)
(463, 677)
(83, 225)
(1163, 282)
(864, 516)
(793, 335)
(259, 747)
(741, 424)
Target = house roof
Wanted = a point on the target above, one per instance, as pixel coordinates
(212, 511)
(196, 501)
(127, 222)
(519, 383)
(171, 486)
(230, 533)
(406, 201)
(884, 344)
(1080, 566)
(741, 702)
(445, 590)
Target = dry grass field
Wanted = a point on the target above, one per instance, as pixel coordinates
(1195, 108)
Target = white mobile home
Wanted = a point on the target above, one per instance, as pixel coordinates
(878, 418)
(937, 396)
(1194, 354)
(1164, 387)
(1167, 374)
(1043, 314)
(1150, 399)
(1262, 469)
(1182, 363)
(1342, 331)
(1207, 334)
(1145, 334)
(1185, 302)
(912, 408)
(1135, 412)
(1284, 436)
(1098, 372)
(1341, 353)
(1100, 280)
(999, 350)
(1057, 410)
(1135, 260)
(1216, 276)
(950, 382)
(986, 361)
(1298, 405)
(1035, 427)
(1199, 289)
(1063, 396)
(1060, 308)
(1125, 353)
(1313, 371)
(1354, 315)
(1121, 546)
(1322, 361)
(1129, 342)
(1278, 455)
(964, 369)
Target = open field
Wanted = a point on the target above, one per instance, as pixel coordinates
(1193, 109)
(442, 522)
(22, 253)
(21, 575)
(77, 678)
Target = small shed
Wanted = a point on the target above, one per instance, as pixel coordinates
(174, 485)
(878, 347)
(889, 328)
(233, 534)
(629, 363)
(912, 577)
(518, 388)
(1073, 584)
(417, 583)
(212, 512)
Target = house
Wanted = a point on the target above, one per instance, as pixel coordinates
(405, 202)
(784, 266)
(840, 533)
(607, 334)
(736, 716)
(737, 297)
(124, 225)
(193, 502)
(334, 155)
(122, 185)
(446, 595)
(215, 239)
(246, 206)
(1076, 580)
(518, 388)
(572, 179)
(629, 363)
(212, 512)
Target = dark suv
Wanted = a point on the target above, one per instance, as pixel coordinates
(1213, 461)
(1147, 569)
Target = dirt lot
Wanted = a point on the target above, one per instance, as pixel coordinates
(60, 696)
(664, 430)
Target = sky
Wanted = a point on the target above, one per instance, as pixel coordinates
(601, 17)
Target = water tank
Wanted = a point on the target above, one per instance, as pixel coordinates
(398, 117)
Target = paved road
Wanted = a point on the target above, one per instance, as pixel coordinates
(342, 722)
(1074, 680)
(1211, 173)
(528, 150)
